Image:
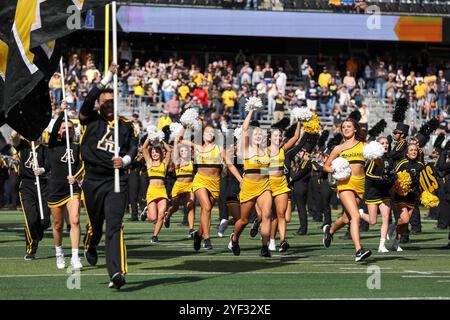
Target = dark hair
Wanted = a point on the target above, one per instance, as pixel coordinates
(360, 134)
(269, 138)
(107, 90)
(157, 149)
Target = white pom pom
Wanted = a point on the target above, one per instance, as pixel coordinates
(189, 119)
(253, 103)
(302, 114)
(238, 133)
(154, 135)
(341, 167)
(175, 129)
(373, 150)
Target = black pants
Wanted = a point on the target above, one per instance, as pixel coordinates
(325, 195)
(103, 204)
(133, 192)
(14, 185)
(415, 221)
(314, 200)
(300, 197)
(34, 225)
(3, 179)
(444, 205)
(223, 209)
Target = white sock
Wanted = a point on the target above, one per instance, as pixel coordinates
(382, 242)
(74, 253)
(272, 241)
(59, 250)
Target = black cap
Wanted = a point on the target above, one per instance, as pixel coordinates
(404, 128)
(421, 139)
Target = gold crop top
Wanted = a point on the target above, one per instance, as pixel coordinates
(355, 154)
(277, 161)
(157, 172)
(186, 171)
(257, 164)
(209, 159)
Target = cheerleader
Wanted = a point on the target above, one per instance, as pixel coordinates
(255, 187)
(351, 190)
(59, 200)
(209, 159)
(377, 187)
(405, 203)
(157, 165)
(278, 183)
(182, 188)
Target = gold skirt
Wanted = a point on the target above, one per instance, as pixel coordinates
(354, 183)
(211, 184)
(278, 185)
(180, 188)
(155, 193)
(251, 189)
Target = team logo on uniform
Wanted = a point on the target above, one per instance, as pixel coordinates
(29, 163)
(64, 157)
(106, 143)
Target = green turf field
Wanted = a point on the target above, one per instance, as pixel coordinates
(172, 270)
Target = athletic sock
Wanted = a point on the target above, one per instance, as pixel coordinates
(74, 253)
(59, 250)
(382, 242)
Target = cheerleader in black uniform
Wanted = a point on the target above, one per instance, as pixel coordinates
(379, 179)
(405, 204)
(59, 200)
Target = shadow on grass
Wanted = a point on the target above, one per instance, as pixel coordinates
(140, 285)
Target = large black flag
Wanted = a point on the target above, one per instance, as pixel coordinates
(29, 56)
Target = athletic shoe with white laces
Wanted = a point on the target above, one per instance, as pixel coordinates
(76, 263)
(233, 246)
(272, 245)
(60, 262)
(326, 236)
(222, 227)
(396, 246)
(382, 249)
(362, 254)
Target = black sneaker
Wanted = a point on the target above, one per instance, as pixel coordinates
(284, 246)
(207, 244)
(300, 232)
(191, 234)
(234, 246)
(154, 239)
(197, 240)
(326, 236)
(255, 228)
(144, 214)
(166, 221)
(362, 254)
(91, 255)
(118, 280)
(29, 257)
(265, 252)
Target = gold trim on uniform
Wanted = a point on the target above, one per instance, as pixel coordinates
(62, 202)
(27, 228)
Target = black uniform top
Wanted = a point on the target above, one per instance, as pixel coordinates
(303, 173)
(399, 151)
(381, 173)
(97, 140)
(442, 165)
(26, 160)
(3, 169)
(413, 167)
(57, 150)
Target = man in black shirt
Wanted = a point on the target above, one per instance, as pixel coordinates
(101, 202)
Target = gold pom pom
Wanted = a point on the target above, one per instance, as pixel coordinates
(402, 185)
(429, 200)
(313, 125)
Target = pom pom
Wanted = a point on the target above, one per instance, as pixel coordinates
(154, 135)
(429, 200)
(189, 119)
(377, 129)
(302, 114)
(355, 115)
(237, 133)
(400, 110)
(373, 150)
(402, 185)
(429, 127)
(313, 125)
(341, 169)
(253, 103)
(323, 139)
(438, 142)
(175, 129)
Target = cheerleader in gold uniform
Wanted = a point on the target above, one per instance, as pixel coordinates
(351, 190)
(208, 159)
(255, 188)
(182, 189)
(156, 192)
(279, 184)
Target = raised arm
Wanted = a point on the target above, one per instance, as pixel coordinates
(244, 130)
(168, 153)
(55, 130)
(291, 142)
(145, 151)
(333, 155)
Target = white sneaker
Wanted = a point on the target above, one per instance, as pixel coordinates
(382, 249)
(272, 246)
(222, 227)
(361, 213)
(60, 262)
(396, 246)
(76, 263)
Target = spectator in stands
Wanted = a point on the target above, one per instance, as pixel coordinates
(413, 129)
(324, 78)
(173, 107)
(164, 120)
(306, 71)
(420, 89)
(91, 71)
(369, 75)
(337, 114)
(343, 97)
(55, 86)
(245, 75)
(202, 95)
(442, 91)
(312, 96)
(125, 54)
(257, 76)
(300, 93)
(243, 95)
(229, 98)
(147, 121)
(380, 79)
(281, 80)
(361, 6)
(349, 81)
(389, 89)
(124, 74)
(280, 102)
(268, 73)
(364, 110)
(324, 99)
(168, 87)
(433, 108)
(271, 96)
